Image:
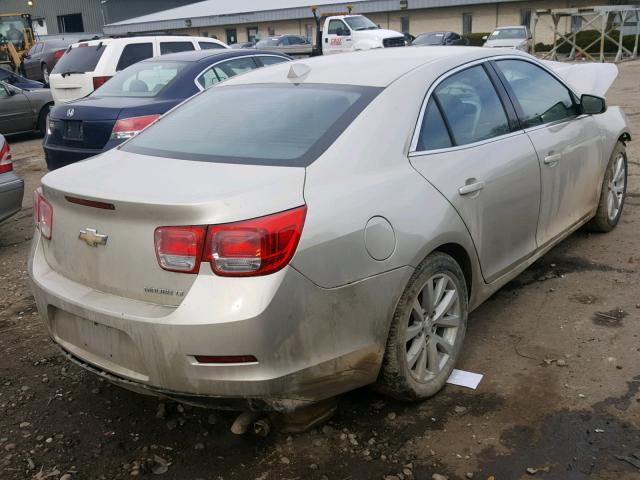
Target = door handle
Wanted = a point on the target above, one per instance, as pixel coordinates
(471, 187)
(552, 159)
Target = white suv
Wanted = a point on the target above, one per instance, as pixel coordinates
(87, 65)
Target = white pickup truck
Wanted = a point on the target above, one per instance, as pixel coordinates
(347, 33)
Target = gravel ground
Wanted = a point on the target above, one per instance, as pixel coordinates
(558, 346)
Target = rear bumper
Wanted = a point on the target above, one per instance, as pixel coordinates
(58, 156)
(311, 343)
(11, 193)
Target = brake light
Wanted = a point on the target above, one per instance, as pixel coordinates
(43, 212)
(99, 81)
(130, 127)
(57, 55)
(179, 248)
(249, 248)
(254, 247)
(6, 165)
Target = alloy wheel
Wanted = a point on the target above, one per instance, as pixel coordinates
(616, 187)
(434, 326)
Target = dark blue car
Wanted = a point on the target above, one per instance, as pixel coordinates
(137, 96)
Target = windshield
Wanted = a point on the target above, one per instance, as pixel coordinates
(267, 42)
(508, 34)
(265, 124)
(12, 29)
(145, 79)
(360, 23)
(435, 38)
(80, 59)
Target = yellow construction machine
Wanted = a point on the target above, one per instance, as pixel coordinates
(16, 39)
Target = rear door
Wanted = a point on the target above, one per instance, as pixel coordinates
(31, 62)
(15, 111)
(469, 147)
(567, 143)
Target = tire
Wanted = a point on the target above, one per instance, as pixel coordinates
(45, 74)
(613, 192)
(398, 378)
(42, 120)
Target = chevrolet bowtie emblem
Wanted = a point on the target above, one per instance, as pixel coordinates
(91, 237)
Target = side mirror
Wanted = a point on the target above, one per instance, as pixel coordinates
(484, 37)
(592, 104)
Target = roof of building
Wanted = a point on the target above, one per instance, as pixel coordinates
(235, 12)
(376, 68)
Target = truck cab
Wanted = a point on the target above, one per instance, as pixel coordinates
(347, 33)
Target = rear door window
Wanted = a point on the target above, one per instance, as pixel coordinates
(209, 45)
(81, 59)
(471, 106)
(133, 53)
(433, 133)
(267, 60)
(234, 67)
(175, 47)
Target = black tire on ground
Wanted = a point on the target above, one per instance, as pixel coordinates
(42, 120)
(601, 221)
(395, 378)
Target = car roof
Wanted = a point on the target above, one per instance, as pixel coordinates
(377, 67)
(203, 55)
(136, 38)
(514, 26)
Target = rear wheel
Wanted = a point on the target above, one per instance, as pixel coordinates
(45, 73)
(42, 119)
(612, 196)
(427, 331)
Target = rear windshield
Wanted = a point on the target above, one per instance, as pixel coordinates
(144, 79)
(81, 59)
(429, 39)
(266, 124)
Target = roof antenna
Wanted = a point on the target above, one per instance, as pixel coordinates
(297, 71)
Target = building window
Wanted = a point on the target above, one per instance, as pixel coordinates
(467, 26)
(576, 23)
(308, 31)
(271, 31)
(232, 36)
(70, 23)
(525, 17)
(252, 34)
(404, 24)
(204, 34)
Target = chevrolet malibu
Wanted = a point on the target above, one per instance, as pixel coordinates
(307, 229)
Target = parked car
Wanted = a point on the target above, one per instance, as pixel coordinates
(440, 38)
(273, 240)
(137, 96)
(88, 65)
(18, 80)
(11, 186)
(46, 52)
(243, 45)
(294, 45)
(23, 110)
(509, 37)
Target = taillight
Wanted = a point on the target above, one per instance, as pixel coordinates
(254, 247)
(99, 81)
(58, 54)
(129, 127)
(6, 165)
(43, 212)
(179, 248)
(249, 248)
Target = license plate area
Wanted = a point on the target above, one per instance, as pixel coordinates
(72, 130)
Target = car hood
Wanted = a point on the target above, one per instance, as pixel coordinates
(381, 33)
(508, 43)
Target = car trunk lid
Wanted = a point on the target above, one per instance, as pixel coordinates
(151, 192)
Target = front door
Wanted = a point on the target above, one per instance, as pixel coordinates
(568, 145)
(15, 111)
(484, 165)
(337, 39)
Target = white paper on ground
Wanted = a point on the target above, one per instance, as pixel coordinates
(465, 379)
